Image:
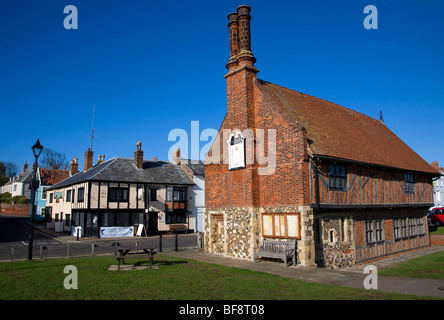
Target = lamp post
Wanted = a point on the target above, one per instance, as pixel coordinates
(36, 150)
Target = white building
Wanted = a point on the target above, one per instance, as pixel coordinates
(195, 170)
(438, 187)
(19, 185)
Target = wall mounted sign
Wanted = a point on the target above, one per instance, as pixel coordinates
(109, 232)
(236, 151)
(281, 225)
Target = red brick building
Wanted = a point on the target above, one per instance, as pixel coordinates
(289, 166)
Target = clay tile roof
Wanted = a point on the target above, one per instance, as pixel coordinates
(49, 177)
(342, 133)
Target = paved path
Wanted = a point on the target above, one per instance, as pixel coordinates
(352, 277)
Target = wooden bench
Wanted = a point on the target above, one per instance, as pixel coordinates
(284, 250)
(177, 228)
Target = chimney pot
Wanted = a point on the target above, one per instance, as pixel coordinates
(101, 158)
(25, 166)
(74, 167)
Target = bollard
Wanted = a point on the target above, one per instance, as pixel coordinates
(160, 242)
(12, 253)
(92, 249)
(67, 250)
(137, 246)
(78, 230)
(176, 242)
(41, 251)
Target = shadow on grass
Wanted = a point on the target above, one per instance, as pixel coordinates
(436, 230)
(34, 267)
(160, 262)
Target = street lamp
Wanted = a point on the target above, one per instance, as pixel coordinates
(36, 150)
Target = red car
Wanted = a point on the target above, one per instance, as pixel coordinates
(436, 217)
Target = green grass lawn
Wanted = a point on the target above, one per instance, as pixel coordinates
(177, 279)
(436, 230)
(427, 267)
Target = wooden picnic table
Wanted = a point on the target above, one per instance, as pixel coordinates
(126, 252)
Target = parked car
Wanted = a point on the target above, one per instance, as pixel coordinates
(435, 217)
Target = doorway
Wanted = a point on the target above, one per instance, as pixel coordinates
(152, 223)
(92, 225)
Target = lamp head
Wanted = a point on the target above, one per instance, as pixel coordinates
(37, 149)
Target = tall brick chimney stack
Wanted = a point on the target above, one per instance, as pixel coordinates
(88, 159)
(435, 165)
(241, 71)
(138, 156)
(240, 39)
(74, 166)
(25, 166)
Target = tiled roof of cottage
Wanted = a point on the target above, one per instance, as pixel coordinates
(196, 166)
(124, 170)
(342, 133)
(49, 177)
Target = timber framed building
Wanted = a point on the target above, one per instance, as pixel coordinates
(123, 193)
(342, 185)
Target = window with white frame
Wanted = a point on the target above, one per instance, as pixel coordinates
(408, 227)
(374, 231)
(369, 232)
(379, 230)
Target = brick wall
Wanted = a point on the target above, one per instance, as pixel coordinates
(287, 183)
(20, 210)
(437, 240)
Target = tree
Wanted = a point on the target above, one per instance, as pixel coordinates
(11, 169)
(52, 158)
(7, 170)
(3, 178)
(6, 197)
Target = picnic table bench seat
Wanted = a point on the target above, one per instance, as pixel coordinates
(127, 253)
(284, 250)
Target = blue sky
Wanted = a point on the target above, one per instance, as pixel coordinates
(153, 66)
